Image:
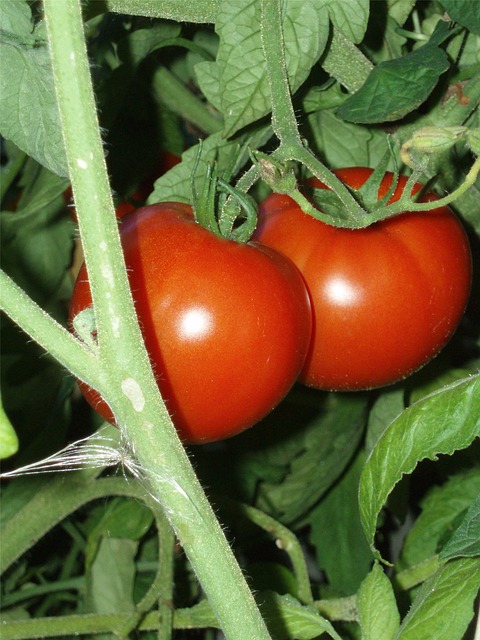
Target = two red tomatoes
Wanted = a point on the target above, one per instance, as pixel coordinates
(230, 327)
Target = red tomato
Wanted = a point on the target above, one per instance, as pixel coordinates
(385, 299)
(227, 325)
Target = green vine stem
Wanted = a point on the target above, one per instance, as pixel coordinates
(413, 576)
(346, 63)
(283, 116)
(171, 92)
(284, 539)
(89, 624)
(48, 332)
(122, 361)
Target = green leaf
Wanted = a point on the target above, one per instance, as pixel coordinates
(441, 423)
(176, 184)
(286, 618)
(264, 576)
(396, 87)
(237, 83)
(315, 452)
(443, 606)
(349, 16)
(180, 10)
(37, 241)
(465, 542)
(377, 607)
(342, 144)
(111, 577)
(441, 507)
(136, 46)
(17, 21)
(122, 518)
(28, 109)
(386, 408)
(8, 437)
(287, 462)
(465, 12)
(341, 549)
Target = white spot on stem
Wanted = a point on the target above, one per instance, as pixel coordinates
(132, 390)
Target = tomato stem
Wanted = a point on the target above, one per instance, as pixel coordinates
(405, 203)
(284, 122)
(346, 63)
(143, 420)
(230, 214)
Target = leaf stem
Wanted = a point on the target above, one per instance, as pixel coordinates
(284, 122)
(405, 203)
(47, 332)
(346, 63)
(178, 98)
(287, 541)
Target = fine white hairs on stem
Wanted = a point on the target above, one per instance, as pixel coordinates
(98, 451)
(93, 452)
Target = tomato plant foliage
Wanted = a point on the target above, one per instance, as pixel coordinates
(258, 97)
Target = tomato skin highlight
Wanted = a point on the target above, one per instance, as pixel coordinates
(386, 299)
(227, 325)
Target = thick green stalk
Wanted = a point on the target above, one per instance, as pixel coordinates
(133, 393)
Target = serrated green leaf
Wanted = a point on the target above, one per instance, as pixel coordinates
(465, 542)
(440, 508)
(286, 618)
(17, 21)
(396, 87)
(343, 144)
(136, 46)
(441, 423)
(399, 10)
(238, 85)
(349, 16)
(342, 551)
(465, 12)
(28, 109)
(386, 408)
(443, 606)
(377, 607)
(180, 10)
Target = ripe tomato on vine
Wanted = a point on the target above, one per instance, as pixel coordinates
(227, 325)
(385, 298)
